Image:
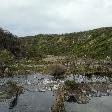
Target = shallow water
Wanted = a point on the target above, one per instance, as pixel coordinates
(38, 94)
(32, 100)
(97, 104)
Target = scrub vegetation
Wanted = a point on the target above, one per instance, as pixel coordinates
(82, 52)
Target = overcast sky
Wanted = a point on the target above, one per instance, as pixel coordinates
(30, 17)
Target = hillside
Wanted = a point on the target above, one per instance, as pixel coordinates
(10, 42)
(82, 50)
(95, 43)
(10, 52)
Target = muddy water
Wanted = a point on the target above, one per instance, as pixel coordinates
(38, 94)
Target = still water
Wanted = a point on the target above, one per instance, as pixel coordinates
(38, 94)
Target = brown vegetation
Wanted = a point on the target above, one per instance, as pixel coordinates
(57, 70)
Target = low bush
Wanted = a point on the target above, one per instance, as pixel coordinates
(71, 85)
(57, 70)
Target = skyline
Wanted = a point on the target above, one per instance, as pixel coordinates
(32, 17)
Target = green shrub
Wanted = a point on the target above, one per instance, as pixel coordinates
(71, 84)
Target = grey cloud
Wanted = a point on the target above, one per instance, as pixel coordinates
(30, 17)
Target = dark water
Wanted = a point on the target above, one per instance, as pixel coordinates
(38, 94)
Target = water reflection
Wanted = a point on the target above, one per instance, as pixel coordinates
(13, 103)
(36, 92)
(86, 91)
(37, 86)
(89, 87)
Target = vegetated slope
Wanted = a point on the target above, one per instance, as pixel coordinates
(95, 43)
(11, 53)
(10, 42)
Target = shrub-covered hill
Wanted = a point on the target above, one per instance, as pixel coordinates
(12, 54)
(10, 42)
(95, 43)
